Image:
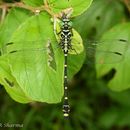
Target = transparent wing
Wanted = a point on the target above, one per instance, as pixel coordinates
(106, 51)
(103, 57)
(105, 41)
(102, 52)
(29, 46)
(31, 52)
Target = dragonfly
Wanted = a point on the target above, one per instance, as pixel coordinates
(27, 50)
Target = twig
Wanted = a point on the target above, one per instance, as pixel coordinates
(22, 5)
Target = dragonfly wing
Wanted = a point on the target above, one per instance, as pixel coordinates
(107, 52)
(30, 52)
(103, 57)
(26, 46)
(106, 42)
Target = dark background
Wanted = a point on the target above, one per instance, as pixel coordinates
(93, 105)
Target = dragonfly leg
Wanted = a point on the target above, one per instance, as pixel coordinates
(71, 47)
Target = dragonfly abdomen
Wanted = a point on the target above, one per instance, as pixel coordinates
(66, 107)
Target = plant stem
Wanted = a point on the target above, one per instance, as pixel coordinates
(22, 5)
(4, 10)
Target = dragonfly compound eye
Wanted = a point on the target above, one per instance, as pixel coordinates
(62, 23)
(70, 23)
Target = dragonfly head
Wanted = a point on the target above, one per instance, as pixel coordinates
(65, 21)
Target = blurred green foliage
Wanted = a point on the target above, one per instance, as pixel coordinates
(94, 106)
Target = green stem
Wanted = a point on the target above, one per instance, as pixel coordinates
(4, 10)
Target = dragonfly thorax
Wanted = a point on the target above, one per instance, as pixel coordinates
(66, 34)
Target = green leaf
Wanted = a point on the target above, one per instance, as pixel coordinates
(115, 117)
(108, 118)
(38, 80)
(79, 6)
(121, 98)
(75, 63)
(11, 23)
(31, 35)
(101, 16)
(124, 118)
(6, 79)
(33, 2)
(120, 81)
